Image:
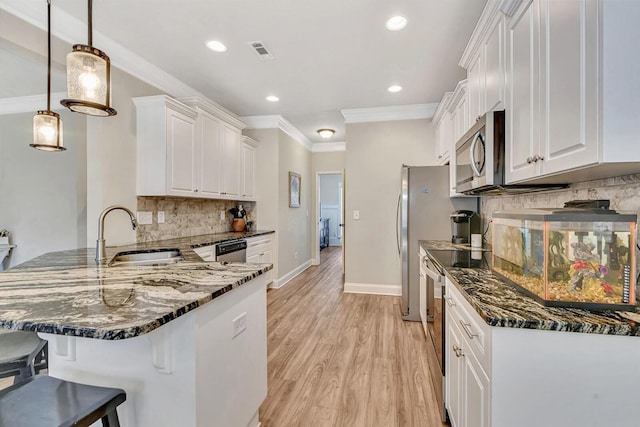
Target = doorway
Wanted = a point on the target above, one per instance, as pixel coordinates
(329, 212)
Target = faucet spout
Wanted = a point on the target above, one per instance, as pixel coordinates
(100, 243)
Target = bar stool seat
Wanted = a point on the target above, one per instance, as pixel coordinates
(22, 354)
(44, 401)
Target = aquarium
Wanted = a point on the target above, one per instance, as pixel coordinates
(582, 258)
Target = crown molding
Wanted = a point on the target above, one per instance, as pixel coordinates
(508, 7)
(442, 106)
(490, 15)
(278, 122)
(73, 30)
(31, 104)
(328, 147)
(383, 114)
(214, 109)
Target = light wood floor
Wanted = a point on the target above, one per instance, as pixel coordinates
(343, 359)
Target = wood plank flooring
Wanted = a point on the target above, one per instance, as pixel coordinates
(339, 359)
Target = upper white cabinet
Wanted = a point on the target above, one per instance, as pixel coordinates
(167, 147)
(571, 93)
(190, 148)
(444, 129)
(248, 167)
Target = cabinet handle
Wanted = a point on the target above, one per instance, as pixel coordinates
(195, 191)
(478, 118)
(421, 275)
(467, 329)
(540, 158)
(450, 302)
(529, 160)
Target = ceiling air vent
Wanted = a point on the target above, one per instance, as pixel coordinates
(261, 50)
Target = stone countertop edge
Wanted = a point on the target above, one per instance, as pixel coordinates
(501, 305)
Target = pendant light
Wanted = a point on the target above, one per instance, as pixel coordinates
(47, 126)
(89, 78)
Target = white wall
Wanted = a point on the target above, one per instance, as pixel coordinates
(42, 194)
(111, 161)
(374, 157)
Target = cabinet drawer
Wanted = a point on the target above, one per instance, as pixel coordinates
(258, 249)
(474, 330)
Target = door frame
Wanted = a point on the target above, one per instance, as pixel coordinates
(316, 214)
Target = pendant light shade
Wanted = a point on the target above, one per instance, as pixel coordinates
(89, 78)
(47, 126)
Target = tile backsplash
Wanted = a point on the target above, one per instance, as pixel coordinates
(623, 191)
(187, 217)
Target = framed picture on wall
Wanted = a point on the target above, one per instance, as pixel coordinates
(294, 190)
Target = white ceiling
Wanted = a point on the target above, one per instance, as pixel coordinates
(329, 54)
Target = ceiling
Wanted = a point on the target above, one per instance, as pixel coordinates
(329, 54)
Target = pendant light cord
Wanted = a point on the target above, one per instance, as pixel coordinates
(90, 21)
(48, 55)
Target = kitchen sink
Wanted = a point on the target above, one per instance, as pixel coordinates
(158, 256)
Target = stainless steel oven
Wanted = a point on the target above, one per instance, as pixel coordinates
(436, 328)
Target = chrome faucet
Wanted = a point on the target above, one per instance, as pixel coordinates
(100, 243)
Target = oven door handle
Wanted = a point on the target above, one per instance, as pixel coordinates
(437, 277)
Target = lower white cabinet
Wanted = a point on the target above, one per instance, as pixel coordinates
(505, 377)
(260, 250)
(467, 384)
(423, 291)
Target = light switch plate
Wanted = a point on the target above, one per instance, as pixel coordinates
(145, 218)
(160, 217)
(222, 215)
(356, 215)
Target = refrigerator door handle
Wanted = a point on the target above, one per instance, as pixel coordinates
(398, 223)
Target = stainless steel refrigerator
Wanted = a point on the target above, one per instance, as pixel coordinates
(423, 213)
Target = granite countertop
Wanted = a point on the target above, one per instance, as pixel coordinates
(66, 293)
(501, 305)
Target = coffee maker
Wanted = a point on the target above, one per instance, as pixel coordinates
(463, 225)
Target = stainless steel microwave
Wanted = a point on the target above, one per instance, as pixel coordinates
(480, 155)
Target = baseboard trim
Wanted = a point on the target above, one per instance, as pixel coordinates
(374, 289)
(278, 283)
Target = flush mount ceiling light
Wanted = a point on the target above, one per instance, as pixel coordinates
(272, 98)
(326, 133)
(89, 78)
(216, 46)
(47, 126)
(396, 23)
(394, 88)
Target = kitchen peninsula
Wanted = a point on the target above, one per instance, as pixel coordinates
(186, 341)
(511, 361)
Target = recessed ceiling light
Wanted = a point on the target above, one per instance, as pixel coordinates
(216, 46)
(394, 88)
(272, 98)
(396, 23)
(326, 133)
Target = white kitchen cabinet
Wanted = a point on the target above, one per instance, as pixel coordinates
(494, 66)
(167, 147)
(189, 150)
(475, 79)
(467, 383)
(260, 250)
(570, 94)
(423, 292)
(248, 170)
(443, 123)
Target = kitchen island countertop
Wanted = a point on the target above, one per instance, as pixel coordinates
(501, 305)
(66, 293)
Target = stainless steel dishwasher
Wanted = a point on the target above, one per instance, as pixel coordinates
(234, 251)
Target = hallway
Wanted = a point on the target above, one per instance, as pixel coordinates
(339, 359)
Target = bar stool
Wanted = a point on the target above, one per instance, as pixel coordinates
(44, 401)
(22, 354)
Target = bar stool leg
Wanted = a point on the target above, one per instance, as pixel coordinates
(111, 419)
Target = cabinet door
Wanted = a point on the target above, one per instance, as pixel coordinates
(268, 259)
(569, 97)
(475, 87)
(462, 121)
(181, 146)
(494, 68)
(454, 373)
(248, 171)
(476, 392)
(522, 111)
(210, 155)
(423, 298)
(231, 167)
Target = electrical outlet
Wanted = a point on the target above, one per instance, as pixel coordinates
(239, 324)
(160, 217)
(222, 215)
(145, 218)
(356, 215)
(295, 255)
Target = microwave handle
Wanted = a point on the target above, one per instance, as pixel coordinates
(472, 152)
